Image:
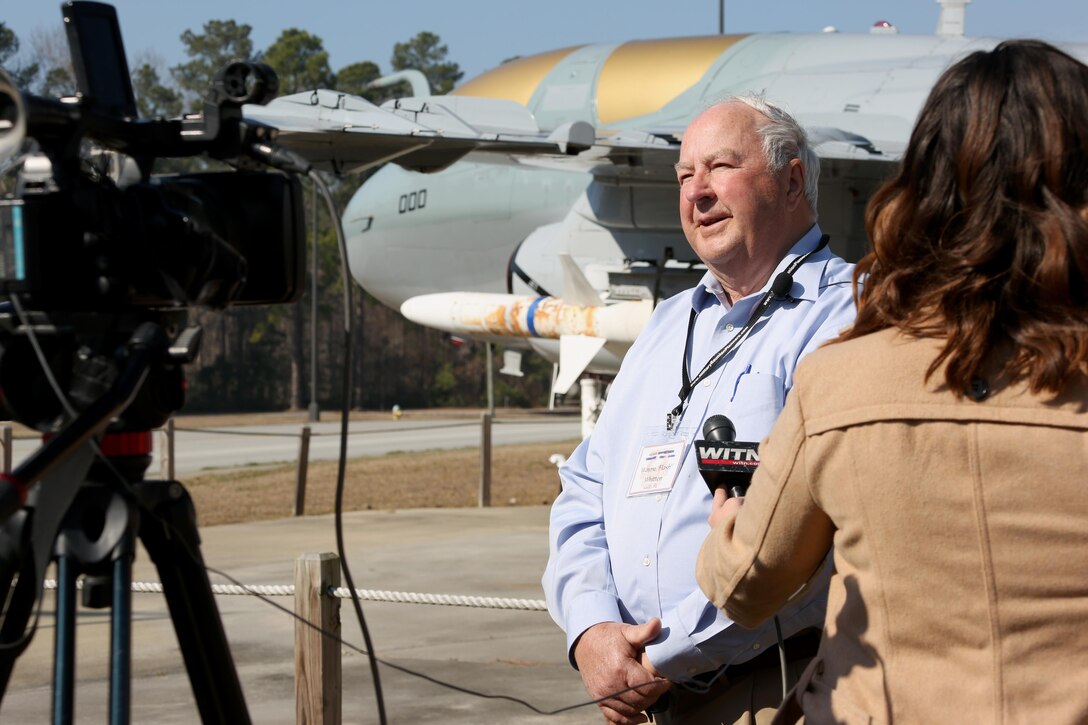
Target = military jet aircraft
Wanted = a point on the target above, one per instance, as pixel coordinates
(537, 204)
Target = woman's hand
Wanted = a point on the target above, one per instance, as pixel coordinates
(723, 507)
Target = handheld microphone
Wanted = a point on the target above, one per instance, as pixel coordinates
(724, 461)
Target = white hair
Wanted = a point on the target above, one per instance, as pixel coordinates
(783, 140)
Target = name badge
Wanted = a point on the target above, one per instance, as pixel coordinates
(657, 469)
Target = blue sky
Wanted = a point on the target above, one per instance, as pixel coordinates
(481, 33)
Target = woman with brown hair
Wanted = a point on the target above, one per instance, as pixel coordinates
(941, 445)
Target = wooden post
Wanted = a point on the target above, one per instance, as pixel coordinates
(485, 459)
(166, 451)
(303, 465)
(318, 681)
(6, 433)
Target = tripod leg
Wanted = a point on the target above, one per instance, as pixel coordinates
(121, 637)
(64, 648)
(173, 543)
(18, 600)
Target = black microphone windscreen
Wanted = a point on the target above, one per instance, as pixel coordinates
(782, 285)
(719, 428)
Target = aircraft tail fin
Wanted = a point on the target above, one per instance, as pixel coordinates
(576, 352)
(576, 288)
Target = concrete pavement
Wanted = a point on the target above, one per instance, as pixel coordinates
(486, 552)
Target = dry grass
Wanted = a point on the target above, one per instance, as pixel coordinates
(520, 475)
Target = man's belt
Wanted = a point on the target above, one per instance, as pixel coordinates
(802, 645)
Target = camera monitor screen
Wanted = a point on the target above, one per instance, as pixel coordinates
(98, 55)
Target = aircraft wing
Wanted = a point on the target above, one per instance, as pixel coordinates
(343, 133)
(650, 154)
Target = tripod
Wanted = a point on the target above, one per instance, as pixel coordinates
(87, 515)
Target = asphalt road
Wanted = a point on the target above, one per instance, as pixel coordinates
(218, 448)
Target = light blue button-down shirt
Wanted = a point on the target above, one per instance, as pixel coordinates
(621, 558)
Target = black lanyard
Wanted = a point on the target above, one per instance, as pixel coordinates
(779, 291)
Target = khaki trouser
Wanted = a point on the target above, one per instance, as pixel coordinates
(751, 700)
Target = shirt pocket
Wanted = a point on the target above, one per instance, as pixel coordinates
(757, 399)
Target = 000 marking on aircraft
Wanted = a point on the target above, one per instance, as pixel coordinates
(412, 201)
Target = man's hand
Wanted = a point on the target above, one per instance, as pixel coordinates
(723, 507)
(610, 657)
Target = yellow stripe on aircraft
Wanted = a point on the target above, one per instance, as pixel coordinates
(641, 76)
(515, 80)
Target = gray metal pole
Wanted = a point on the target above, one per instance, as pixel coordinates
(490, 383)
(721, 17)
(315, 412)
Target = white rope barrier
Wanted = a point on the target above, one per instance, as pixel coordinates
(449, 600)
(288, 590)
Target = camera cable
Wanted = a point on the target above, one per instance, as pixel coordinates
(286, 160)
(338, 508)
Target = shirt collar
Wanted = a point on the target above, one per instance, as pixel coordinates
(806, 280)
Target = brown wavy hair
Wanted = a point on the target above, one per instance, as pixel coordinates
(981, 238)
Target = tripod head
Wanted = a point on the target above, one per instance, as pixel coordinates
(84, 354)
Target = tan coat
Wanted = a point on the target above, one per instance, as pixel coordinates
(961, 541)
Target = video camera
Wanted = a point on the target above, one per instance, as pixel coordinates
(92, 244)
(100, 262)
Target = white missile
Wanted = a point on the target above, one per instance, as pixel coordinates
(591, 337)
(498, 315)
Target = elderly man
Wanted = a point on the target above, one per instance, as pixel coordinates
(626, 530)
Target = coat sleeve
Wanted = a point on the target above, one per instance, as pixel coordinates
(755, 561)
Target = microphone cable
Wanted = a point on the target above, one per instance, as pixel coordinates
(338, 507)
